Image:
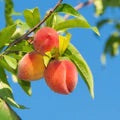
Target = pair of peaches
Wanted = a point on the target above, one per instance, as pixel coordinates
(60, 75)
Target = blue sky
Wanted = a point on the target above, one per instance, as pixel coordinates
(47, 105)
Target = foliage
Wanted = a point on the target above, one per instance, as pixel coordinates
(9, 59)
(12, 50)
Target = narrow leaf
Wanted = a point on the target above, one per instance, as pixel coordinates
(66, 8)
(72, 23)
(82, 67)
(95, 29)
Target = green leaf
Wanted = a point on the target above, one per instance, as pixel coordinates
(23, 46)
(82, 67)
(8, 12)
(47, 58)
(65, 8)
(74, 23)
(63, 43)
(95, 29)
(80, 20)
(54, 19)
(49, 22)
(25, 85)
(6, 113)
(4, 64)
(6, 91)
(112, 3)
(22, 27)
(6, 34)
(11, 61)
(32, 17)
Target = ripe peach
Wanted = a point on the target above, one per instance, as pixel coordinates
(45, 40)
(31, 67)
(61, 76)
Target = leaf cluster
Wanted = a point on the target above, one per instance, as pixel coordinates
(9, 59)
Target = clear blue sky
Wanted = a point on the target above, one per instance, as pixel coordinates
(47, 105)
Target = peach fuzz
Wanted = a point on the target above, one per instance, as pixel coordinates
(45, 40)
(61, 76)
(31, 67)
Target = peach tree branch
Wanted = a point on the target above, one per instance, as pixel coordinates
(33, 29)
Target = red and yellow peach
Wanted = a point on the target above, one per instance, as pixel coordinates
(31, 67)
(61, 76)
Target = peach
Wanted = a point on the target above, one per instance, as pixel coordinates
(61, 76)
(45, 40)
(31, 67)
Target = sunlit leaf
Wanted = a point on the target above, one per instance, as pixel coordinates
(74, 23)
(47, 58)
(6, 113)
(11, 61)
(6, 91)
(80, 20)
(54, 19)
(25, 85)
(63, 43)
(99, 8)
(82, 67)
(32, 17)
(68, 9)
(4, 64)
(5, 34)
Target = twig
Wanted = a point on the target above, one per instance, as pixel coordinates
(79, 6)
(33, 29)
(25, 36)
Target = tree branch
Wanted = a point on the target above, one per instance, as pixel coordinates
(33, 29)
(79, 6)
(25, 36)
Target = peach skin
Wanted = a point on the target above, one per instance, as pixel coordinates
(61, 76)
(45, 40)
(31, 67)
